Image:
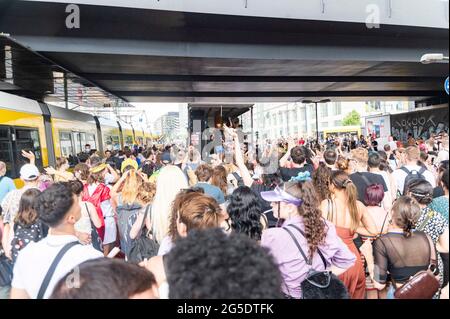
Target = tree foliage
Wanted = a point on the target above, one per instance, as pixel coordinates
(352, 118)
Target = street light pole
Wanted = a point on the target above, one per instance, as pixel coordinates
(317, 120)
(316, 103)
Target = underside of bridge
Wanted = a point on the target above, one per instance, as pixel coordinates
(140, 55)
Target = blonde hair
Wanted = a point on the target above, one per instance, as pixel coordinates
(361, 155)
(412, 153)
(169, 183)
(131, 186)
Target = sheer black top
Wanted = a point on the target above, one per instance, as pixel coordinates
(400, 256)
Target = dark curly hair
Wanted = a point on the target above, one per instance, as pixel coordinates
(245, 212)
(53, 204)
(315, 226)
(321, 181)
(208, 264)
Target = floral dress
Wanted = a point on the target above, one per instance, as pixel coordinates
(434, 225)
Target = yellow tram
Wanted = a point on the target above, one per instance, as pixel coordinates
(51, 132)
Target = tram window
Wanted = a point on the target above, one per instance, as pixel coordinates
(4, 133)
(5, 157)
(27, 140)
(116, 142)
(129, 140)
(65, 142)
(90, 139)
(77, 142)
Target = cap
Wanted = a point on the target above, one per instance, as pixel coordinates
(29, 172)
(165, 158)
(279, 195)
(129, 162)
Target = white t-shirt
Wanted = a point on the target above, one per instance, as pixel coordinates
(400, 176)
(35, 259)
(442, 156)
(166, 246)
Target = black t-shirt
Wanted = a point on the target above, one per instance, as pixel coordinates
(365, 179)
(257, 189)
(288, 173)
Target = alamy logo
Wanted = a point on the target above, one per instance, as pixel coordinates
(373, 19)
(73, 19)
(73, 279)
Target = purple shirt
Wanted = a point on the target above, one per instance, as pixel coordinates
(292, 266)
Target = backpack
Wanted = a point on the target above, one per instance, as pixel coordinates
(127, 215)
(411, 176)
(142, 247)
(25, 235)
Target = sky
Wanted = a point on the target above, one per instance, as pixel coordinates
(155, 110)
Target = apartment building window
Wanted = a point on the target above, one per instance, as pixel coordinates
(337, 123)
(294, 115)
(324, 110)
(324, 124)
(337, 108)
(274, 118)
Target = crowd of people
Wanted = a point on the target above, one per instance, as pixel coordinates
(162, 222)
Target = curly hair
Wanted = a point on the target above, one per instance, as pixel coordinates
(236, 267)
(315, 226)
(245, 213)
(54, 203)
(321, 180)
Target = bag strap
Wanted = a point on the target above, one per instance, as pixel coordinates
(407, 171)
(318, 250)
(430, 214)
(433, 255)
(384, 222)
(298, 245)
(145, 217)
(422, 170)
(52, 268)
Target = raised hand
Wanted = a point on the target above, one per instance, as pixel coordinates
(50, 170)
(29, 155)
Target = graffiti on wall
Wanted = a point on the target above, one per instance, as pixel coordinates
(421, 124)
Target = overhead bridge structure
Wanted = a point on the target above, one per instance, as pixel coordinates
(236, 51)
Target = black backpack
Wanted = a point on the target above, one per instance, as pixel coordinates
(142, 247)
(411, 176)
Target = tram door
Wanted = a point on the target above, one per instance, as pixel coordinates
(12, 141)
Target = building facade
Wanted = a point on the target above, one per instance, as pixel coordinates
(276, 120)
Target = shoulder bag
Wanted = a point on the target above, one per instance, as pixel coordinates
(143, 247)
(321, 284)
(424, 284)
